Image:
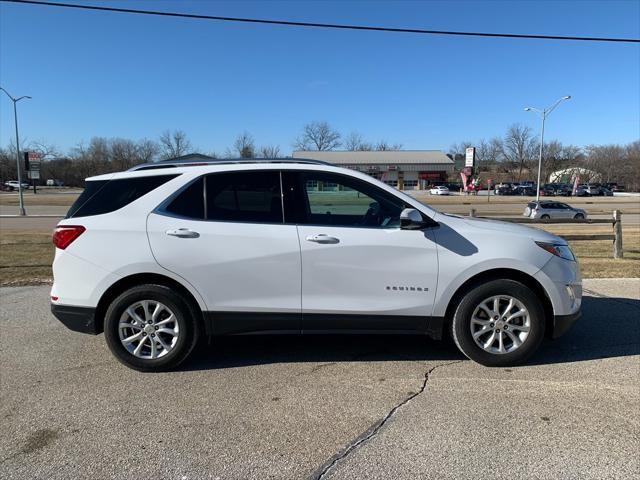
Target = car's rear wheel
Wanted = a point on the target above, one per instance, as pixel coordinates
(545, 217)
(499, 323)
(150, 328)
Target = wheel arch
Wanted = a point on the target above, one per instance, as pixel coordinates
(130, 281)
(502, 274)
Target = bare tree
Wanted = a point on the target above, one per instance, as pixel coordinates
(460, 148)
(318, 136)
(630, 170)
(519, 146)
(245, 145)
(7, 164)
(147, 150)
(270, 151)
(174, 144)
(45, 150)
(383, 145)
(605, 159)
(123, 154)
(353, 141)
(556, 156)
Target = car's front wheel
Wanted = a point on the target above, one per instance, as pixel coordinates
(150, 328)
(499, 323)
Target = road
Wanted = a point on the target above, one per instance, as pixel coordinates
(322, 407)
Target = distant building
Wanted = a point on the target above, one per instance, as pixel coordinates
(402, 169)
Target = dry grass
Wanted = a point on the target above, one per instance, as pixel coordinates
(25, 258)
(596, 257)
(41, 198)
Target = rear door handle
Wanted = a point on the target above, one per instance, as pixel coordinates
(182, 233)
(322, 238)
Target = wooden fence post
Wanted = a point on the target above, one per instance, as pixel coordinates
(472, 212)
(617, 231)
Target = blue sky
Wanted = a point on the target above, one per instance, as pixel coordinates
(118, 75)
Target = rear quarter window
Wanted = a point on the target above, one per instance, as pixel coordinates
(106, 196)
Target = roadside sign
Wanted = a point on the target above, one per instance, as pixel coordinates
(34, 174)
(32, 160)
(470, 157)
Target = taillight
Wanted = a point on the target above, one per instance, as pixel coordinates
(64, 235)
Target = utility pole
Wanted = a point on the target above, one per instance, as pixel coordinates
(15, 117)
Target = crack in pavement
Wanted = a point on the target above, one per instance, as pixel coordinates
(374, 429)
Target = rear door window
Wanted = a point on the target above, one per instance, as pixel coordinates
(189, 203)
(105, 196)
(247, 196)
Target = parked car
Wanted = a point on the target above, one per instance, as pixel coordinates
(454, 187)
(614, 187)
(564, 189)
(14, 184)
(548, 190)
(524, 190)
(604, 191)
(165, 253)
(597, 190)
(582, 191)
(504, 189)
(439, 190)
(549, 209)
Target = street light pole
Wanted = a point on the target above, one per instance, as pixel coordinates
(543, 116)
(15, 118)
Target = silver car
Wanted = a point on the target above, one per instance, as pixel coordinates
(550, 209)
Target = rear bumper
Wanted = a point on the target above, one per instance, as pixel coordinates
(562, 323)
(78, 319)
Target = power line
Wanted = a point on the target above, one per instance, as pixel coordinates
(321, 25)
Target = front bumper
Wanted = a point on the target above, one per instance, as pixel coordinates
(78, 319)
(562, 323)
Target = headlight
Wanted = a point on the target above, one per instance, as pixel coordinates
(562, 251)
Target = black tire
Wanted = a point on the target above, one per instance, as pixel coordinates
(579, 216)
(545, 217)
(461, 324)
(186, 319)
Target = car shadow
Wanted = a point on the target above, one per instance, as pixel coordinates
(609, 327)
(247, 350)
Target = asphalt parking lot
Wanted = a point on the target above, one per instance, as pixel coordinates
(322, 407)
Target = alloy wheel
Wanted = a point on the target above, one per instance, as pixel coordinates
(148, 329)
(500, 324)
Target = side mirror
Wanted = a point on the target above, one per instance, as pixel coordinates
(411, 219)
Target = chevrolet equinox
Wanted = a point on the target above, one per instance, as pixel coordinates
(166, 253)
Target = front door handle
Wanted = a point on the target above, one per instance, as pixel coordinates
(322, 238)
(182, 233)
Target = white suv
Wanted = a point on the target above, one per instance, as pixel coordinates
(164, 254)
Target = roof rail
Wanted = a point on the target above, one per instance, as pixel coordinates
(195, 163)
